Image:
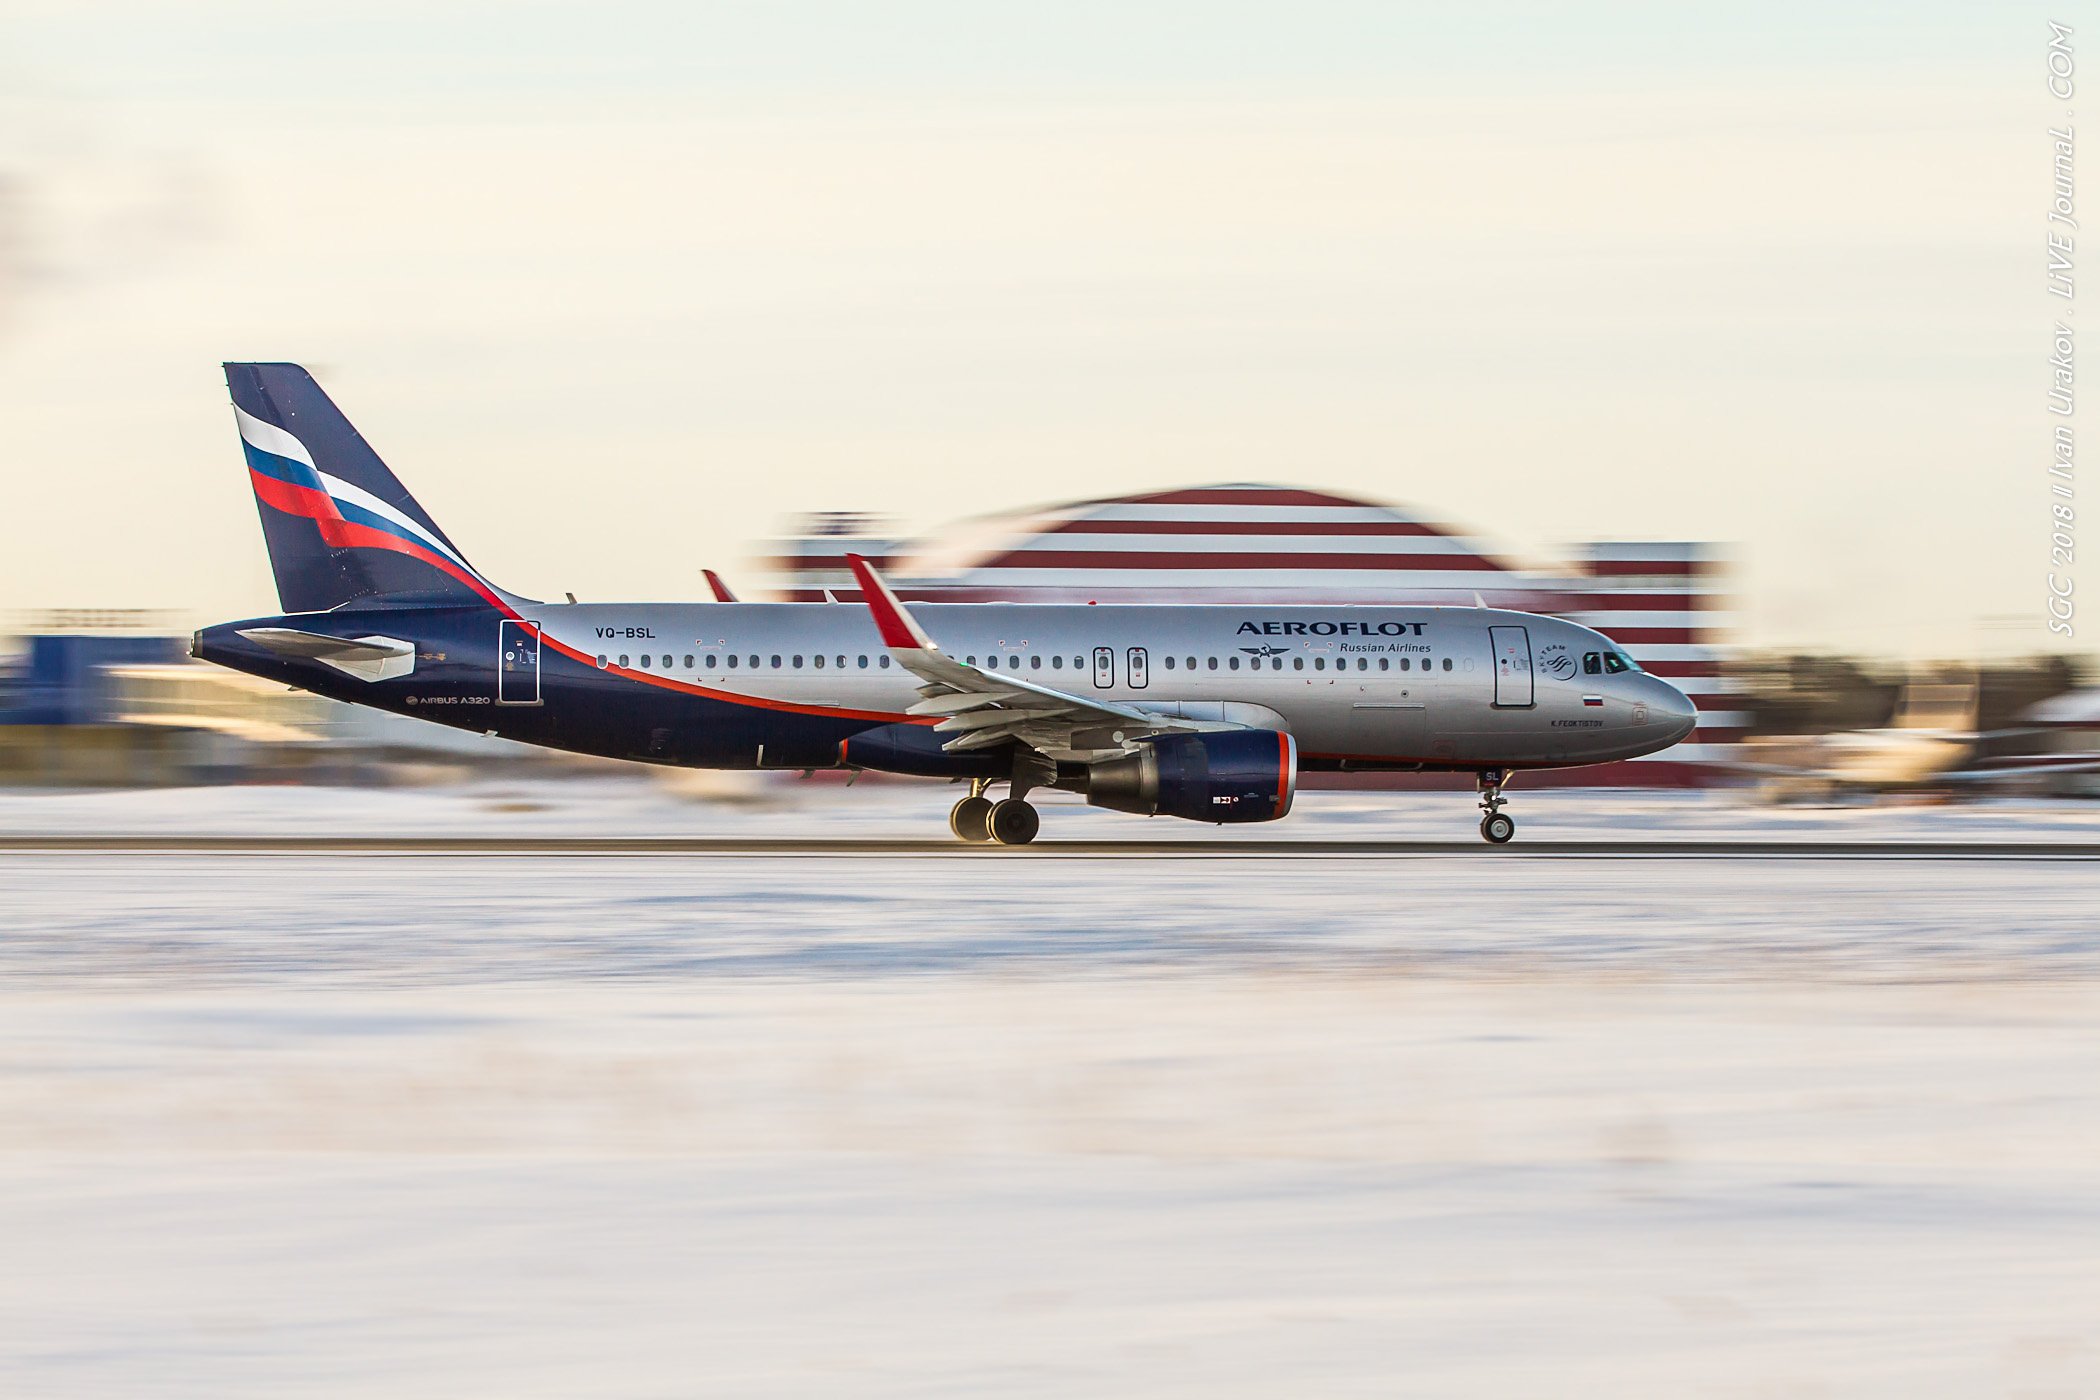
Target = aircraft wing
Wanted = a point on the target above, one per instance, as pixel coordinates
(982, 709)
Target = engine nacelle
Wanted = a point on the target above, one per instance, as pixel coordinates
(1236, 775)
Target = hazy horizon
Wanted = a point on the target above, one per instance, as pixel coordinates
(617, 290)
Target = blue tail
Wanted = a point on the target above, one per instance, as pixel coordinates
(341, 529)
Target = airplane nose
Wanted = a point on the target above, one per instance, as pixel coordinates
(1675, 709)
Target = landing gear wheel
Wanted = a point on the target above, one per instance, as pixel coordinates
(1014, 823)
(971, 820)
(1495, 828)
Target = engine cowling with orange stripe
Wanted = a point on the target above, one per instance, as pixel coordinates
(1240, 775)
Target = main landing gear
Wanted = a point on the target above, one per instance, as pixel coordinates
(977, 819)
(1497, 826)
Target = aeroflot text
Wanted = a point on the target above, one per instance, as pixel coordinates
(1331, 629)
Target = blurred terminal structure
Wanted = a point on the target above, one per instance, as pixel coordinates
(110, 698)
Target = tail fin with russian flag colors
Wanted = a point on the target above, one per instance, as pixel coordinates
(340, 528)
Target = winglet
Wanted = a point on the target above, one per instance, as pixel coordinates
(898, 630)
(721, 589)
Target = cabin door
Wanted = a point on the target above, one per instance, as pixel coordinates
(518, 663)
(1512, 647)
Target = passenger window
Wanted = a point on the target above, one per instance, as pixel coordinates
(1447, 663)
(754, 662)
(732, 661)
(1319, 663)
(776, 663)
(1035, 663)
(864, 663)
(645, 661)
(1214, 663)
(601, 663)
(1057, 662)
(623, 658)
(1385, 663)
(1192, 663)
(883, 660)
(710, 661)
(1233, 664)
(1592, 664)
(1170, 662)
(1297, 663)
(667, 661)
(820, 662)
(1363, 663)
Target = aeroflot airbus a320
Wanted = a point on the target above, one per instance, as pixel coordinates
(1208, 712)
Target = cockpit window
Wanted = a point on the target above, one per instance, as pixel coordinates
(1615, 662)
(1592, 664)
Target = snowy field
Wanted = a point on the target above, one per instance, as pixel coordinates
(1215, 1126)
(788, 808)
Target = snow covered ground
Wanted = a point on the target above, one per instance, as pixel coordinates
(788, 808)
(773, 1125)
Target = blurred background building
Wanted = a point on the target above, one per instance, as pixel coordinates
(111, 698)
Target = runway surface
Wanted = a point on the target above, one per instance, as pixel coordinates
(540, 1091)
(1217, 849)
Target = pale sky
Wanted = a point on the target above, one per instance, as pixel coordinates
(616, 288)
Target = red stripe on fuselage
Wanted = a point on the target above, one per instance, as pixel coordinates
(731, 697)
(339, 533)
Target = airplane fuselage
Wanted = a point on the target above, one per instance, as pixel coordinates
(1205, 712)
(785, 685)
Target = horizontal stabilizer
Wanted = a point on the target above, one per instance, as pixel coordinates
(367, 658)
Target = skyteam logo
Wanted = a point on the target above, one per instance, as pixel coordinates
(285, 478)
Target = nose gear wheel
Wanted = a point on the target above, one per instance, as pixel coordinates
(1497, 826)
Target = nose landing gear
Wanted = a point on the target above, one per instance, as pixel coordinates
(1497, 826)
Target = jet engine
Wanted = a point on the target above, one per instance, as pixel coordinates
(1236, 775)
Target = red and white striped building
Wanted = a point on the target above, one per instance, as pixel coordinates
(1278, 544)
